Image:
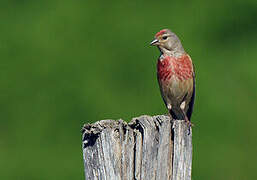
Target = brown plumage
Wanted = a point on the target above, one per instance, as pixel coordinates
(175, 74)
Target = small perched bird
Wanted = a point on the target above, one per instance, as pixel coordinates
(175, 73)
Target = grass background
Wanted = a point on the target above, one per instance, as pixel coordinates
(66, 63)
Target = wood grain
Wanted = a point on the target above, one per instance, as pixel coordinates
(147, 148)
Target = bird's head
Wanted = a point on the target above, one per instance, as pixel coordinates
(167, 42)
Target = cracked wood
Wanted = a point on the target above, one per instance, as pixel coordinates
(147, 148)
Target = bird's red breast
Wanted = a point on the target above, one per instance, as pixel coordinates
(169, 66)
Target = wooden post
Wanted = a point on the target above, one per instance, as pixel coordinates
(147, 148)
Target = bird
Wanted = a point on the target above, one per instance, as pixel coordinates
(175, 74)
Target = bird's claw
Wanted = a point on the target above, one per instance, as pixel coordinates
(189, 124)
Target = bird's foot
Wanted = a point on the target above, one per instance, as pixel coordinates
(170, 116)
(189, 124)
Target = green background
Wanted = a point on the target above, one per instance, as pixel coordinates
(66, 63)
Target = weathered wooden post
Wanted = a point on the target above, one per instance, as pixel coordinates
(147, 148)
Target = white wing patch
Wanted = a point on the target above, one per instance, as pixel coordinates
(182, 105)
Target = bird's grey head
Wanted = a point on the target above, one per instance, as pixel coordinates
(168, 42)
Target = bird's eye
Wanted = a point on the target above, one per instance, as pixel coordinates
(164, 37)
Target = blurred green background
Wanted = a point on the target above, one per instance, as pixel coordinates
(66, 63)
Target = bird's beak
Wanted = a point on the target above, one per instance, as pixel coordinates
(155, 42)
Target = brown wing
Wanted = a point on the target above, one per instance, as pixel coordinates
(191, 103)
